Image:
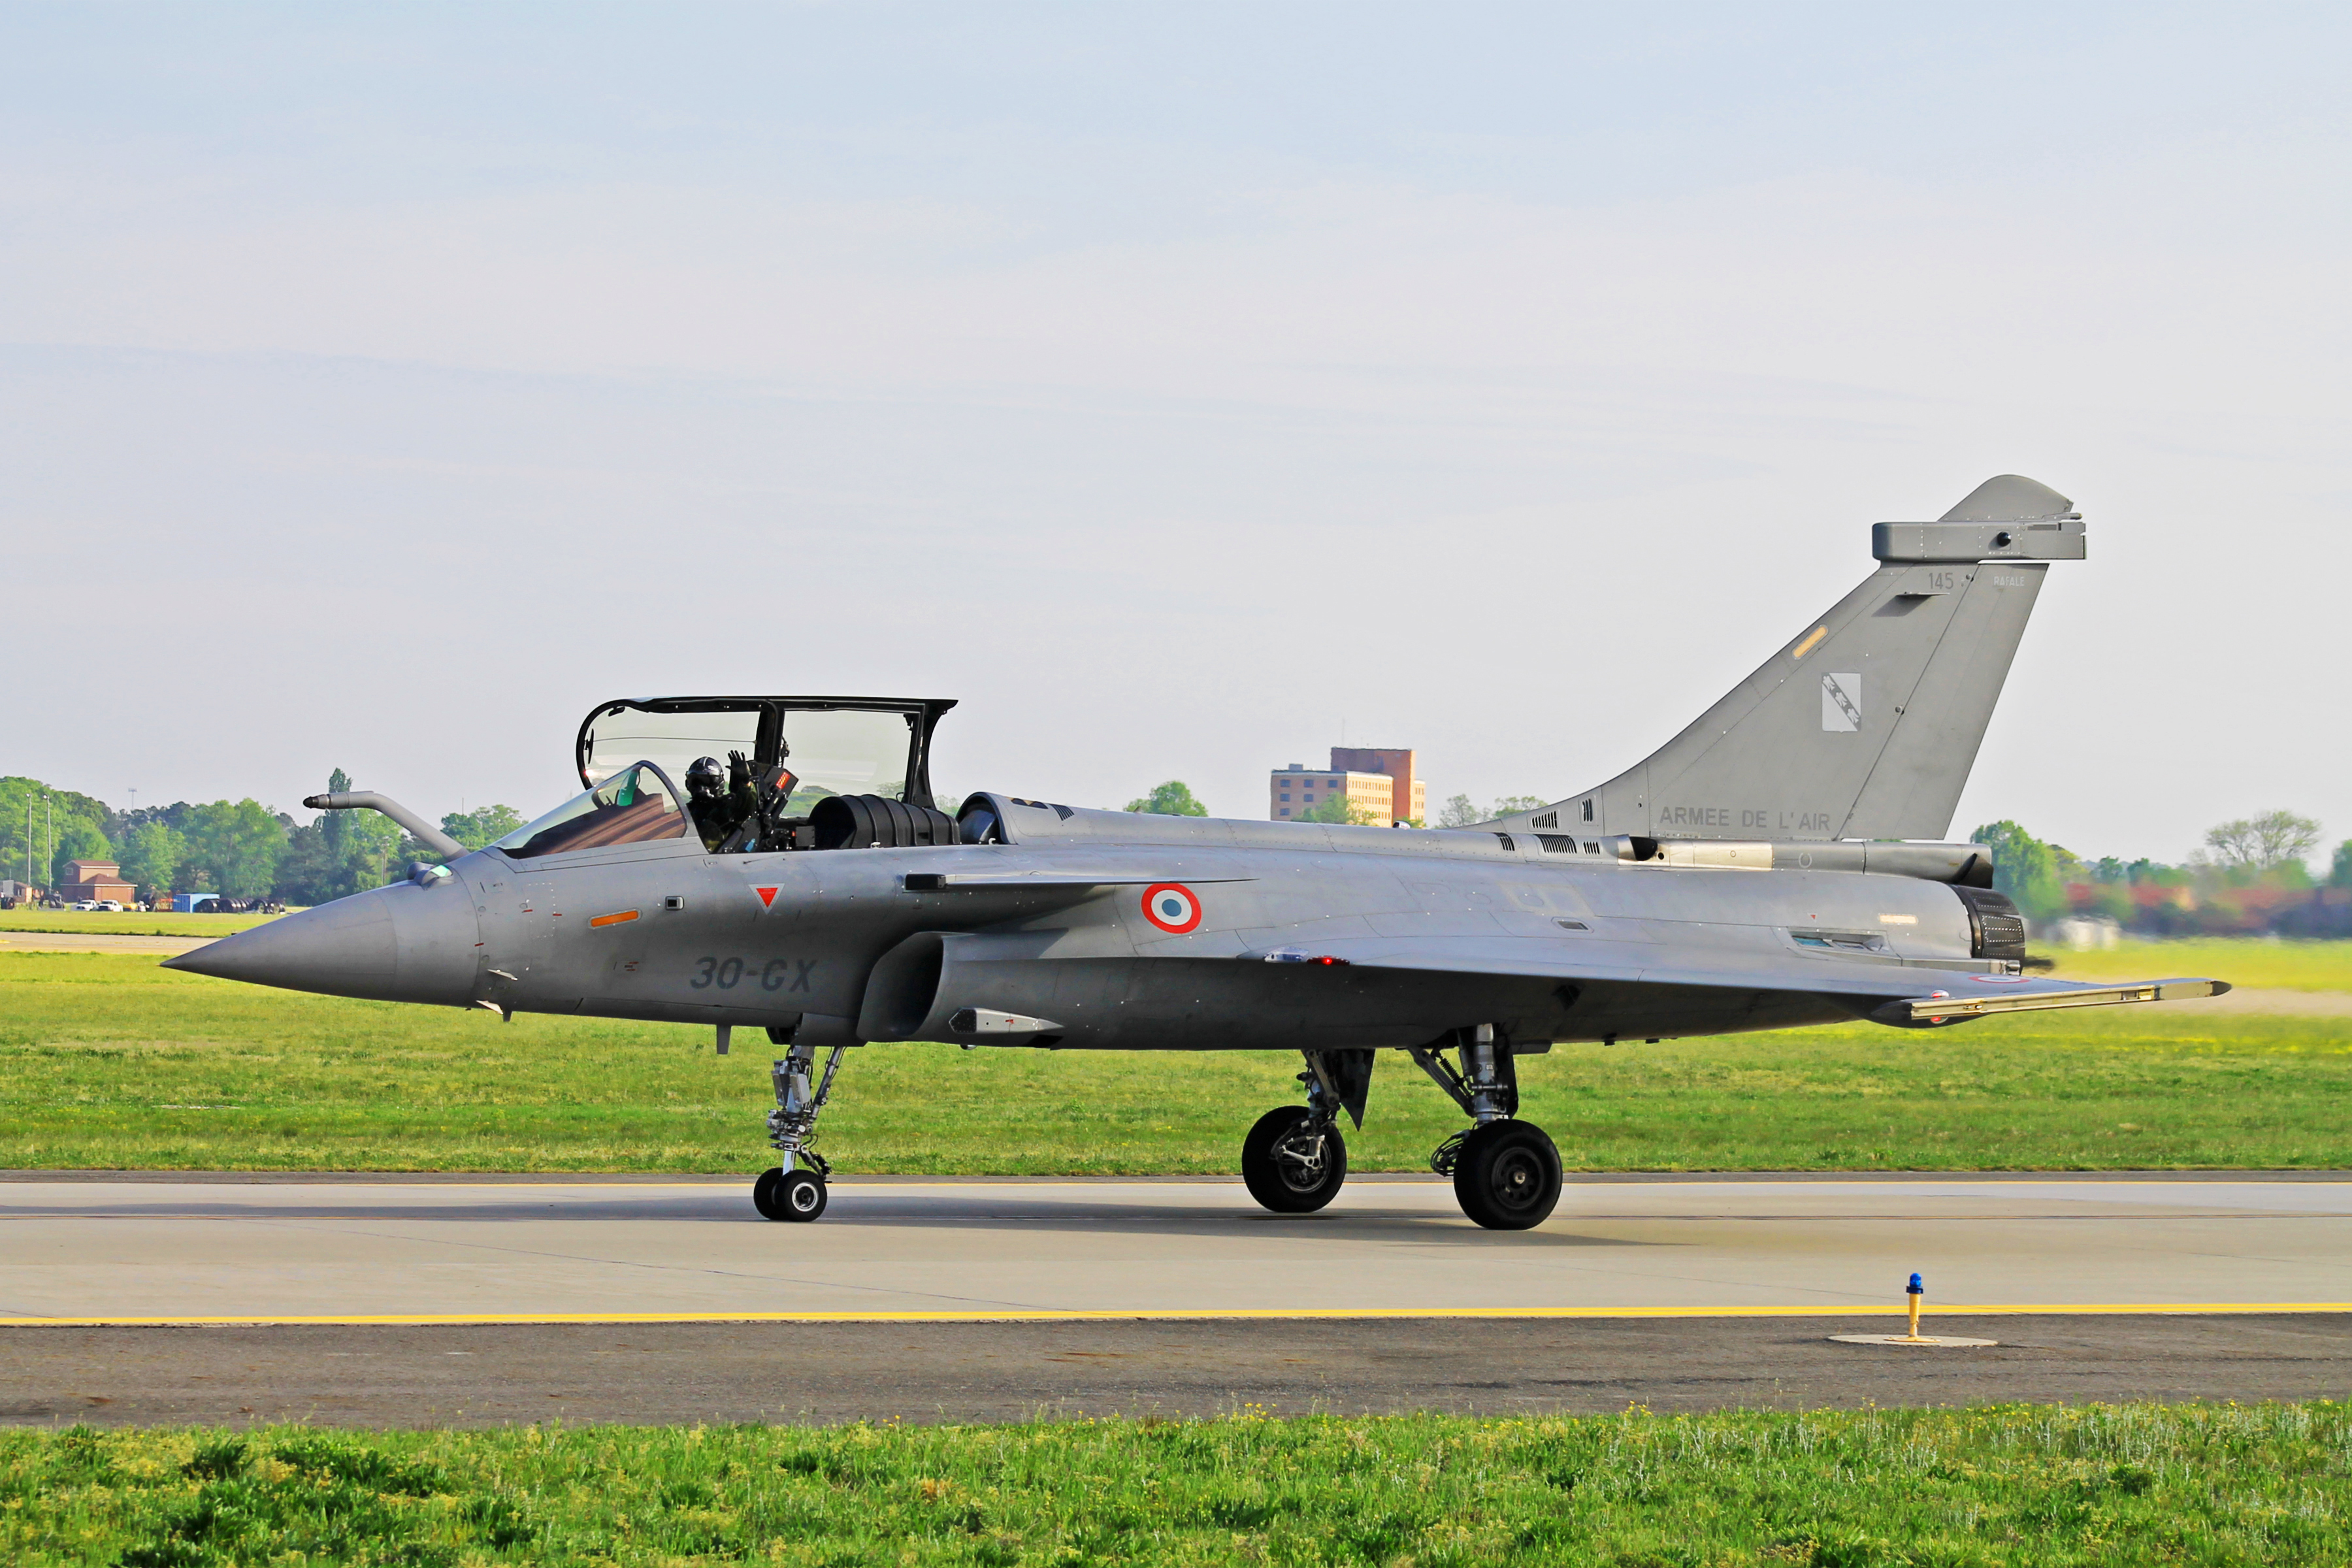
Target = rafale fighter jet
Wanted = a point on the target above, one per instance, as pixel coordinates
(1775, 864)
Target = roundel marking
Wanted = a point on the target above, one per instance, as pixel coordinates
(1172, 906)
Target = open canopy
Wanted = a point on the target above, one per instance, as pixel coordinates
(831, 746)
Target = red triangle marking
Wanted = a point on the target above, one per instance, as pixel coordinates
(767, 896)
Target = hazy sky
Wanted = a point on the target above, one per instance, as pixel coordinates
(1175, 385)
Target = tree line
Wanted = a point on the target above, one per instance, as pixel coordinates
(2251, 875)
(238, 849)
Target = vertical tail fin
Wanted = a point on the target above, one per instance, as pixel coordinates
(1866, 723)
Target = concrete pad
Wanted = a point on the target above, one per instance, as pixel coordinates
(98, 942)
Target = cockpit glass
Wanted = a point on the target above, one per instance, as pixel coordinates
(844, 752)
(621, 735)
(632, 806)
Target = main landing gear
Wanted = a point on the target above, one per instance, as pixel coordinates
(795, 1189)
(1507, 1172)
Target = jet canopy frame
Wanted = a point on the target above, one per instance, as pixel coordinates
(828, 747)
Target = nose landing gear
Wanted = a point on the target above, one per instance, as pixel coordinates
(795, 1190)
(780, 1194)
(1294, 1159)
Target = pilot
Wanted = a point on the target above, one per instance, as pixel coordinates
(715, 814)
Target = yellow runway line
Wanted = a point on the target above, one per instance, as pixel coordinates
(1115, 1314)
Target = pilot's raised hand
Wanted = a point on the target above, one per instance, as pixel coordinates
(739, 770)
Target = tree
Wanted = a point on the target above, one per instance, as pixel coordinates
(152, 853)
(1339, 808)
(2025, 868)
(2263, 843)
(2339, 874)
(1458, 812)
(482, 827)
(1171, 799)
(50, 814)
(238, 846)
(76, 841)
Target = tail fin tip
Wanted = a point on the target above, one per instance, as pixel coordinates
(1880, 743)
(2011, 498)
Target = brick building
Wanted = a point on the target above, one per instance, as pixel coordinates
(96, 880)
(1381, 784)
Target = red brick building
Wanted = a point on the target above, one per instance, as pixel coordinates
(1379, 784)
(96, 880)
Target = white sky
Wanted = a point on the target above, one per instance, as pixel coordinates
(1171, 385)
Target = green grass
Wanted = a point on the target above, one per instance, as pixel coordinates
(129, 923)
(2255, 962)
(1998, 1485)
(109, 1061)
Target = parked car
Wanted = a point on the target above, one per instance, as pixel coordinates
(111, 905)
(85, 904)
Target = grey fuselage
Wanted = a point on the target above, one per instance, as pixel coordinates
(833, 947)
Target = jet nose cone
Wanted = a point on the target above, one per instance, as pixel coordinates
(402, 943)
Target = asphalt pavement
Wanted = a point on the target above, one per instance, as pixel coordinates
(391, 1302)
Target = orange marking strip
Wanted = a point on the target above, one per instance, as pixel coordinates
(614, 919)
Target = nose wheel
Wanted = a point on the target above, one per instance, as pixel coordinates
(1293, 1161)
(786, 1194)
(795, 1190)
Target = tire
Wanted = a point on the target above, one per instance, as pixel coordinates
(1508, 1176)
(1277, 1178)
(800, 1196)
(796, 1195)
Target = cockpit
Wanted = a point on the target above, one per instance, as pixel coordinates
(823, 773)
(635, 805)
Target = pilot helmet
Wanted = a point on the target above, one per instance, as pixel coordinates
(705, 776)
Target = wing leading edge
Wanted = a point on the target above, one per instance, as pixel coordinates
(1903, 995)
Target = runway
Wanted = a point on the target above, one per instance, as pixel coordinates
(395, 1301)
(233, 1251)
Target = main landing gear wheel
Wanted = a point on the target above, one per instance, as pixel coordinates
(789, 1194)
(1506, 1176)
(1290, 1163)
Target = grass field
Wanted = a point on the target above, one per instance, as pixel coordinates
(2000, 1485)
(2250, 961)
(108, 1060)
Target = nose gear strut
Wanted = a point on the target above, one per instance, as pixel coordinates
(795, 1190)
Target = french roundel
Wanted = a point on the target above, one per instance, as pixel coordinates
(1172, 906)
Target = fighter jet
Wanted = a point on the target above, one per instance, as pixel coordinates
(1781, 862)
